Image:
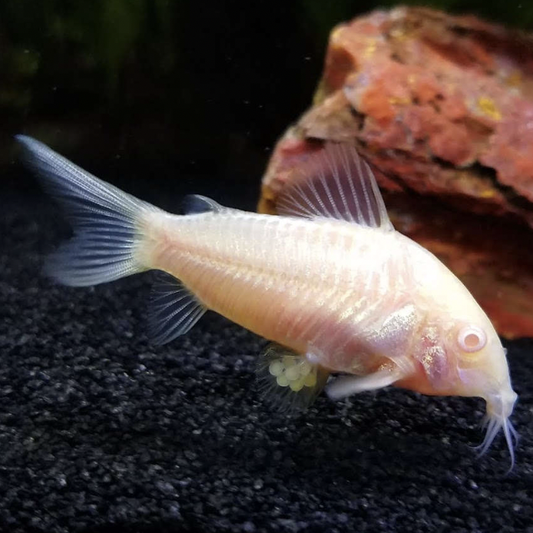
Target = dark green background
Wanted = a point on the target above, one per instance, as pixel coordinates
(172, 92)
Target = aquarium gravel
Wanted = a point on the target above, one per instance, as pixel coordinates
(101, 431)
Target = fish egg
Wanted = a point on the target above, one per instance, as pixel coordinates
(310, 380)
(276, 368)
(297, 385)
(305, 368)
(292, 373)
(282, 380)
(289, 360)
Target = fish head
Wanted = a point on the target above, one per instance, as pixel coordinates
(467, 358)
(483, 371)
(456, 349)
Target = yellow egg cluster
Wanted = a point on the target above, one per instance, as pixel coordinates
(293, 372)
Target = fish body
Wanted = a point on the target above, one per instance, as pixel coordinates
(271, 275)
(330, 282)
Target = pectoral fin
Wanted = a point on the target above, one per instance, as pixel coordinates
(345, 386)
(173, 309)
(288, 381)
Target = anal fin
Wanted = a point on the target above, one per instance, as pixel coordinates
(174, 310)
(288, 381)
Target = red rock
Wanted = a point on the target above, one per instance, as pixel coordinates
(442, 107)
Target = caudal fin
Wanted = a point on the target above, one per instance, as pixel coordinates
(107, 222)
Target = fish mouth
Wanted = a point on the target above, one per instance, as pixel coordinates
(499, 409)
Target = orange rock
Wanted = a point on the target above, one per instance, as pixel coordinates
(442, 106)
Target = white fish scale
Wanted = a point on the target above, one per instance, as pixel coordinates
(288, 279)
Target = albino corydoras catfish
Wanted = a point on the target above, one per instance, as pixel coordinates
(329, 281)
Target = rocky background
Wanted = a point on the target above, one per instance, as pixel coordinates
(442, 106)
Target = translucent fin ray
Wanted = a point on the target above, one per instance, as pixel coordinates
(105, 220)
(345, 386)
(287, 380)
(173, 309)
(335, 182)
(195, 204)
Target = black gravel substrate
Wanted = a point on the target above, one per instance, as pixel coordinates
(100, 431)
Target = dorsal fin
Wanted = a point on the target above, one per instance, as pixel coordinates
(335, 182)
(195, 203)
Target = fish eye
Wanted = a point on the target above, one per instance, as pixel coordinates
(472, 339)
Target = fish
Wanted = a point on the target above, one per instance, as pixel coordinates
(347, 303)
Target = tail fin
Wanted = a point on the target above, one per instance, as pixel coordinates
(106, 221)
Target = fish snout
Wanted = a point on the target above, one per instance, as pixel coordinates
(501, 404)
